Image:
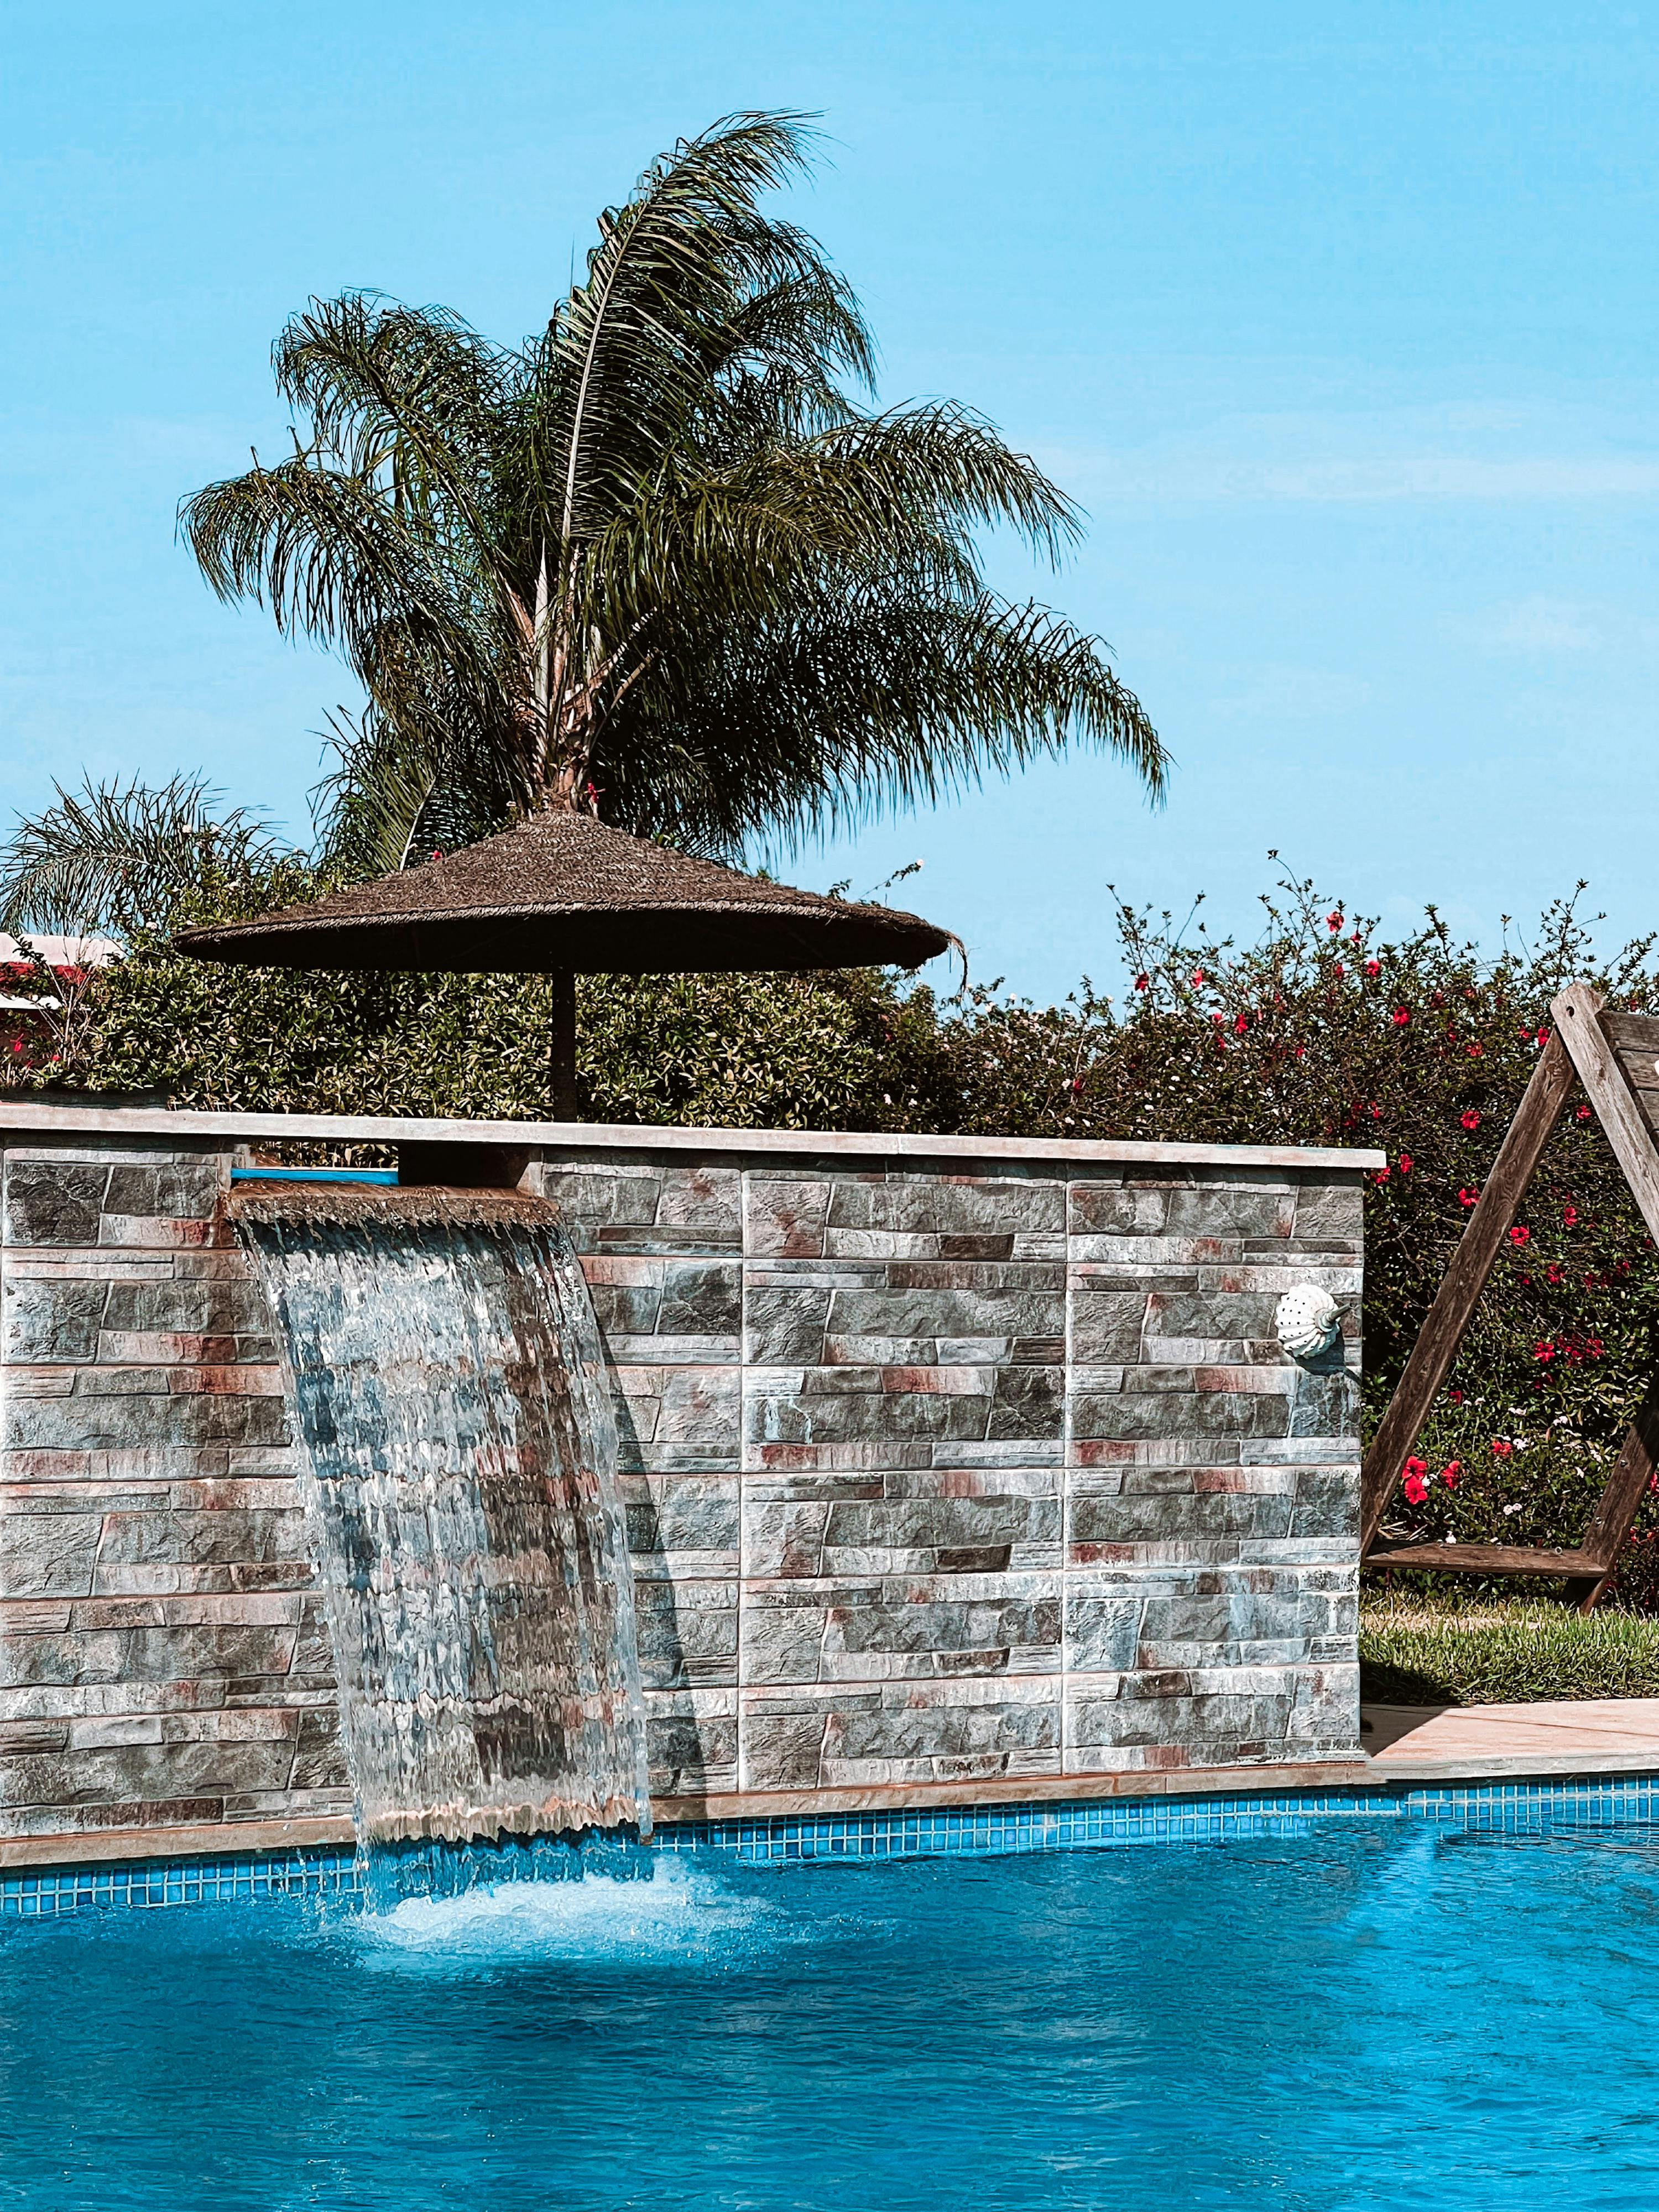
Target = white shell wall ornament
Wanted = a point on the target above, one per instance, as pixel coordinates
(1307, 1320)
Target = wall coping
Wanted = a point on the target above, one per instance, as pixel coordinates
(23, 1118)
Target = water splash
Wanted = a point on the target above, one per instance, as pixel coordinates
(689, 1915)
(448, 1384)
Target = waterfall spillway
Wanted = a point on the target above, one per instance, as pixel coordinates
(448, 1385)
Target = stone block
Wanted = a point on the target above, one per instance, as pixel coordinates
(702, 1299)
(1114, 1209)
(187, 1191)
(786, 1216)
(51, 1319)
(917, 1629)
(691, 1741)
(682, 1525)
(53, 1201)
(785, 1327)
(48, 1554)
(688, 1632)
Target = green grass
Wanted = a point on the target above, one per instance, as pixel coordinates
(1417, 1650)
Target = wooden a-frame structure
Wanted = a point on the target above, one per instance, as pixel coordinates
(1616, 1058)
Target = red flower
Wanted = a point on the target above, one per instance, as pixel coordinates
(1377, 1111)
(1448, 1474)
(1373, 967)
(1519, 1235)
(1468, 1198)
(1401, 1016)
(1198, 979)
(1474, 1052)
(1456, 1397)
(1501, 1448)
(1414, 1465)
(1382, 1176)
(1405, 1164)
(1333, 920)
(1077, 1083)
(1593, 1349)
(1336, 970)
(1241, 1026)
(1543, 1037)
(1582, 1114)
(1218, 1019)
(1544, 1352)
(1471, 1119)
(1416, 1489)
(1569, 1216)
(1141, 982)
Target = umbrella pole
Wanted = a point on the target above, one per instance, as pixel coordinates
(562, 1069)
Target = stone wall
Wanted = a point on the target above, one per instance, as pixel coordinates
(959, 1470)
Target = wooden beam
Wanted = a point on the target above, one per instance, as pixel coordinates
(1465, 1278)
(1482, 1558)
(1577, 1015)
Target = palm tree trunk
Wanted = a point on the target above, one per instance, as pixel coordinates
(561, 1056)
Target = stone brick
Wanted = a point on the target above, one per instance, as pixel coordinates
(51, 1319)
(701, 1299)
(53, 1201)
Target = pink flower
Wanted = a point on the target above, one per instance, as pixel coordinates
(1333, 920)
(1198, 979)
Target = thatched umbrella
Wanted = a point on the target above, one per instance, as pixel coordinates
(565, 894)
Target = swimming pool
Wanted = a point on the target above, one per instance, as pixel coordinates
(1384, 2014)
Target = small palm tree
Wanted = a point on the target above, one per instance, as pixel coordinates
(661, 561)
(122, 858)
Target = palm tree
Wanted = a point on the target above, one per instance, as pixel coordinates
(659, 562)
(123, 858)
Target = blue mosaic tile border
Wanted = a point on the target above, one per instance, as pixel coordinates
(38, 1894)
(993, 1831)
(966, 1831)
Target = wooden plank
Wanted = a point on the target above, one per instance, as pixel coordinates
(1577, 1015)
(1639, 1457)
(1465, 1278)
(1637, 1034)
(1482, 1558)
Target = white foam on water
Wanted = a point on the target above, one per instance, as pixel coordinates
(676, 1914)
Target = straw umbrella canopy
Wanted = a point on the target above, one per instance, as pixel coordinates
(562, 893)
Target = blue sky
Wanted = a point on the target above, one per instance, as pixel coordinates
(1339, 321)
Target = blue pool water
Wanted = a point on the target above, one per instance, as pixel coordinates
(1394, 2018)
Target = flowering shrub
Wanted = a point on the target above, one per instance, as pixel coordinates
(1320, 1032)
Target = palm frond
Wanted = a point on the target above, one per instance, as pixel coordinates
(119, 857)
